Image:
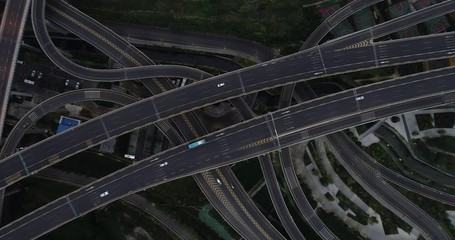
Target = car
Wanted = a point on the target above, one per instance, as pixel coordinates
(218, 181)
(163, 164)
(220, 84)
(104, 194)
(40, 75)
(67, 82)
(359, 98)
(33, 73)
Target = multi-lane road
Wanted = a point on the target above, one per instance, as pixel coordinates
(235, 84)
(273, 131)
(90, 30)
(11, 28)
(273, 73)
(280, 129)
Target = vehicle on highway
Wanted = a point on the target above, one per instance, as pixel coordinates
(29, 82)
(129, 156)
(196, 144)
(359, 98)
(20, 62)
(104, 194)
(40, 75)
(220, 84)
(163, 164)
(33, 73)
(218, 181)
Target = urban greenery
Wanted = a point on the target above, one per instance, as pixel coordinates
(281, 24)
(389, 220)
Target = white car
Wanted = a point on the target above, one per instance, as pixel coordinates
(33, 73)
(220, 84)
(359, 98)
(218, 181)
(163, 164)
(104, 194)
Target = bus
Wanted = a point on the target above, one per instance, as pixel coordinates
(196, 144)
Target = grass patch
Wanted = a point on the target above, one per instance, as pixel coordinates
(424, 121)
(338, 227)
(445, 162)
(360, 216)
(378, 153)
(325, 179)
(444, 143)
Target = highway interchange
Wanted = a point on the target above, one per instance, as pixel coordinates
(275, 130)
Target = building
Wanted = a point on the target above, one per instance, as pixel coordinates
(66, 123)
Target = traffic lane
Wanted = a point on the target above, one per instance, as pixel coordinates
(303, 64)
(190, 38)
(311, 112)
(121, 44)
(28, 226)
(425, 48)
(228, 190)
(9, 170)
(91, 37)
(277, 198)
(94, 195)
(336, 59)
(392, 25)
(198, 95)
(415, 17)
(430, 43)
(153, 71)
(49, 105)
(439, 76)
(57, 58)
(355, 58)
(422, 168)
(395, 200)
(231, 214)
(68, 139)
(398, 178)
(78, 16)
(196, 153)
(256, 213)
(396, 94)
(300, 199)
(129, 114)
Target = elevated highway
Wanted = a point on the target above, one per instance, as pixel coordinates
(283, 128)
(178, 101)
(233, 210)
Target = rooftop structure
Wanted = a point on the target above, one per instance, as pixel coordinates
(435, 25)
(66, 123)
